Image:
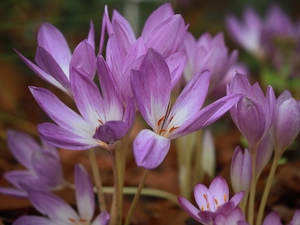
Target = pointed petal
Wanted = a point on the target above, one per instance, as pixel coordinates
(219, 189)
(189, 208)
(53, 41)
(33, 220)
(150, 149)
(60, 113)
(176, 64)
(191, 99)
(14, 177)
(13, 192)
(204, 198)
(66, 139)
(48, 168)
(111, 131)
(52, 206)
(41, 73)
(124, 35)
(84, 193)
(91, 35)
(208, 115)
(237, 198)
(84, 59)
(130, 113)
(88, 98)
(152, 87)
(49, 64)
(22, 146)
(157, 17)
(101, 219)
(272, 218)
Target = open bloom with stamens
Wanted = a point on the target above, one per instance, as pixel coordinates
(104, 119)
(60, 212)
(211, 201)
(151, 87)
(54, 60)
(44, 170)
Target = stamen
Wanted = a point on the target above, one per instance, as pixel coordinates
(202, 208)
(216, 201)
(100, 121)
(171, 119)
(207, 206)
(160, 121)
(172, 129)
(161, 131)
(82, 220)
(72, 220)
(225, 198)
(205, 196)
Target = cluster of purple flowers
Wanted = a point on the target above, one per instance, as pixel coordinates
(139, 74)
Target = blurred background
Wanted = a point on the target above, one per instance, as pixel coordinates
(20, 20)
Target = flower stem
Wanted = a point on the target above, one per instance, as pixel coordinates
(115, 213)
(97, 179)
(267, 189)
(136, 197)
(251, 200)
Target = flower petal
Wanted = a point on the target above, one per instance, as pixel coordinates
(48, 168)
(33, 220)
(52, 206)
(176, 63)
(22, 146)
(63, 138)
(101, 219)
(189, 208)
(84, 194)
(204, 198)
(13, 192)
(219, 190)
(60, 113)
(111, 131)
(84, 59)
(272, 218)
(150, 149)
(49, 64)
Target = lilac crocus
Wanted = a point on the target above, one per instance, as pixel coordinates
(54, 60)
(212, 201)
(44, 170)
(163, 31)
(286, 124)
(151, 87)
(254, 113)
(104, 118)
(214, 57)
(60, 212)
(247, 33)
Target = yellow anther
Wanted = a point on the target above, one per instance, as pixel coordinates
(100, 121)
(171, 119)
(202, 208)
(216, 201)
(225, 198)
(72, 220)
(207, 206)
(205, 196)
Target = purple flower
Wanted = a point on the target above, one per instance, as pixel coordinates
(54, 60)
(286, 124)
(104, 119)
(241, 170)
(59, 212)
(214, 57)
(247, 33)
(235, 217)
(254, 113)
(44, 170)
(163, 31)
(273, 218)
(212, 201)
(151, 87)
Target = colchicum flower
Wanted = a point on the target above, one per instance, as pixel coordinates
(212, 202)
(104, 119)
(44, 170)
(274, 219)
(151, 87)
(60, 212)
(54, 60)
(254, 113)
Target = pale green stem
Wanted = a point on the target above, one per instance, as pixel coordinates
(115, 214)
(199, 172)
(243, 203)
(145, 191)
(97, 179)
(184, 159)
(136, 197)
(267, 189)
(251, 203)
